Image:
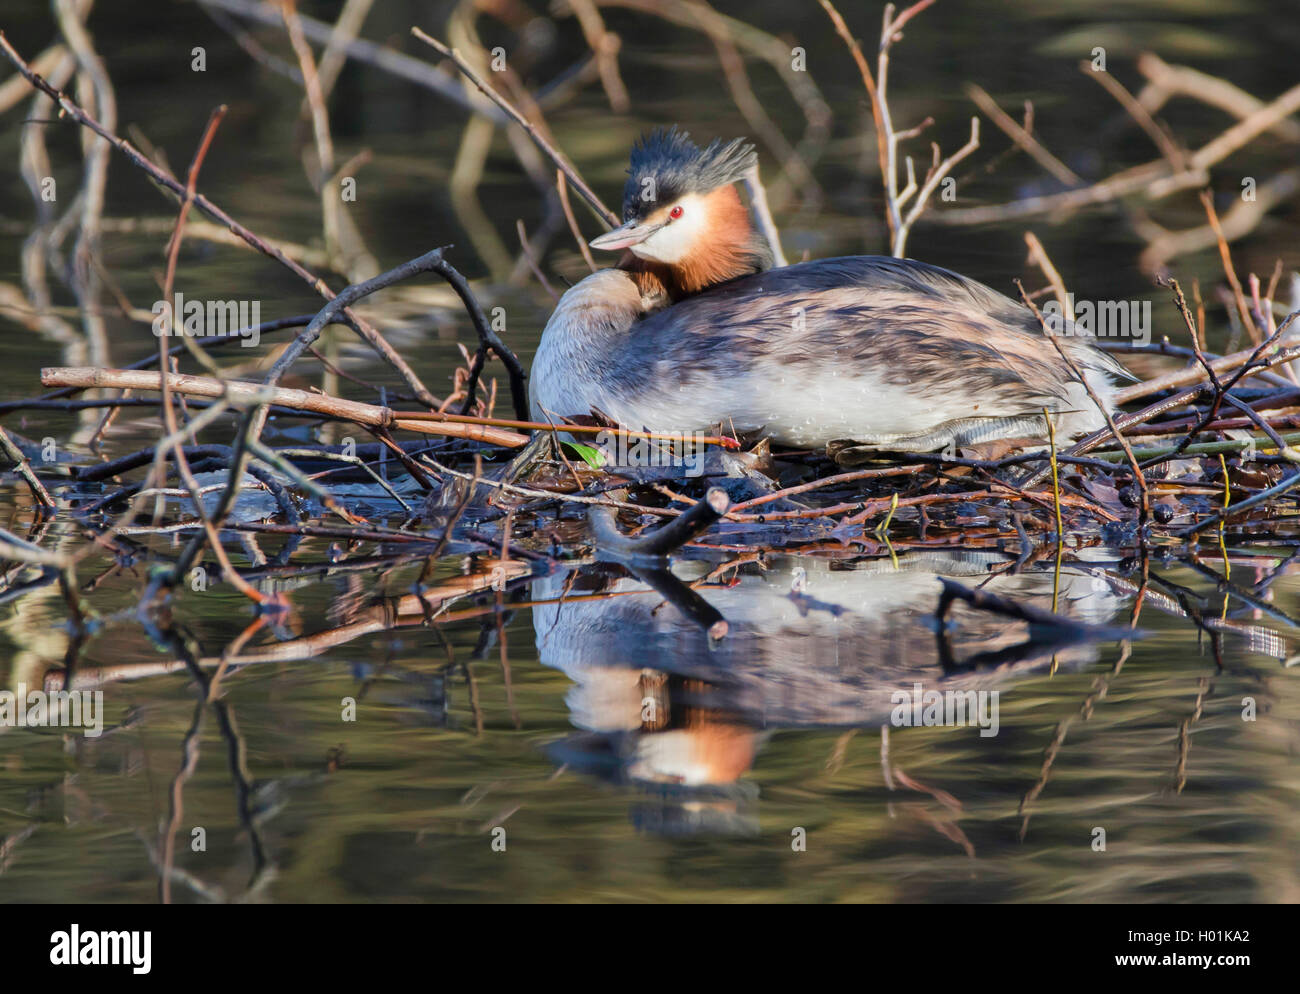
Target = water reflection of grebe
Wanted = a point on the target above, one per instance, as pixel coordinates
(663, 707)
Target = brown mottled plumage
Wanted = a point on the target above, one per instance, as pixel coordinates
(887, 352)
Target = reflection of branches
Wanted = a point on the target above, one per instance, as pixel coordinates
(411, 611)
(176, 797)
(984, 601)
(692, 606)
(208, 689)
(1203, 687)
(1252, 600)
(604, 44)
(347, 252)
(1237, 222)
(88, 281)
(945, 825)
(10, 843)
(1099, 690)
(795, 171)
(429, 608)
(1165, 81)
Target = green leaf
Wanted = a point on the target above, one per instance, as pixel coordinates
(592, 456)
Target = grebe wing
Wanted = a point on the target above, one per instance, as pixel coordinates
(851, 348)
(900, 283)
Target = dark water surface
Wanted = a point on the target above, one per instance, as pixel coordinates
(626, 754)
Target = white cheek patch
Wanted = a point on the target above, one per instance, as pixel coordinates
(676, 239)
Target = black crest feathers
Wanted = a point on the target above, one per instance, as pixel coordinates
(666, 164)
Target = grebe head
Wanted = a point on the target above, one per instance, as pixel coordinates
(683, 219)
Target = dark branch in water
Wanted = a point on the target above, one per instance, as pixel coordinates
(1290, 483)
(430, 262)
(664, 540)
(682, 597)
(487, 339)
(984, 601)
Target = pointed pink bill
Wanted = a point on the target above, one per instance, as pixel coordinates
(631, 233)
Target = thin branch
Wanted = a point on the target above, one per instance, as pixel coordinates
(556, 156)
(1032, 146)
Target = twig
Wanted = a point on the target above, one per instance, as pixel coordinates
(1207, 200)
(887, 138)
(1038, 257)
(562, 187)
(1032, 146)
(554, 154)
(24, 469)
(933, 179)
(1192, 374)
(371, 415)
(434, 262)
(533, 264)
(168, 410)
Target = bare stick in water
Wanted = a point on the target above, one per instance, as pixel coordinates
(666, 539)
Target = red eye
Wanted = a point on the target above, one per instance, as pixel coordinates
(676, 212)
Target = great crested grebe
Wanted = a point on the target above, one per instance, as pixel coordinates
(692, 332)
